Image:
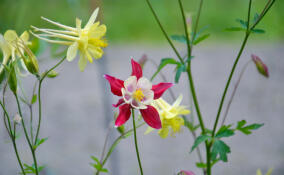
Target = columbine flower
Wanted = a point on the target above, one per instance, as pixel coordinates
(258, 172)
(170, 116)
(88, 40)
(14, 46)
(137, 92)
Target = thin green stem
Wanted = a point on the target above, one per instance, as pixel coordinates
(185, 28)
(26, 134)
(234, 92)
(196, 24)
(39, 97)
(228, 82)
(17, 155)
(115, 143)
(135, 140)
(164, 32)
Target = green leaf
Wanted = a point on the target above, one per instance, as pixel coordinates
(52, 74)
(34, 98)
(200, 165)
(199, 140)
(201, 38)
(247, 129)
(179, 38)
(190, 125)
(220, 148)
(243, 23)
(98, 165)
(39, 142)
(224, 131)
(235, 29)
(180, 69)
(258, 31)
(256, 16)
(163, 63)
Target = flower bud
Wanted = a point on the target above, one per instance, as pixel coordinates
(183, 172)
(17, 119)
(143, 60)
(261, 67)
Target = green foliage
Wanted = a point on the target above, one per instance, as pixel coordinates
(97, 165)
(201, 38)
(225, 131)
(12, 79)
(204, 165)
(179, 38)
(248, 128)
(199, 140)
(31, 169)
(39, 142)
(220, 148)
(190, 125)
(34, 98)
(179, 69)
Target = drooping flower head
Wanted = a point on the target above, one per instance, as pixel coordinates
(170, 116)
(137, 92)
(88, 40)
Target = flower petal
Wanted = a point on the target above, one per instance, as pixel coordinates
(82, 62)
(151, 117)
(126, 95)
(120, 102)
(136, 69)
(25, 36)
(137, 104)
(123, 116)
(148, 97)
(72, 51)
(115, 84)
(10, 35)
(92, 18)
(144, 83)
(160, 88)
(130, 84)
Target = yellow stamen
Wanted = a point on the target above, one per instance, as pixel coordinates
(138, 95)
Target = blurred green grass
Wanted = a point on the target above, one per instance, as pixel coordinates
(132, 21)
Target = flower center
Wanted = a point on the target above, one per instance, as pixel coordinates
(138, 95)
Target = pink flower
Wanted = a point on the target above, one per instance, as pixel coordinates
(137, 92)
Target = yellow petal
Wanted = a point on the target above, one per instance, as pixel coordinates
(82, 62)
(258, 172)
(149, 129)
(92, 18)
(10, 35)
(72, 51)
(89, 57)
(97, 31)
(25, 36)
(96, 53)
(178, 101)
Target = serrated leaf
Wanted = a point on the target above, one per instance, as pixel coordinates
(179, 38)
(247, 129)
(224, 131)
(243, 23)
(199, 140)
(34, 98)
(39, 142)
(220, 148)
(235, 29)
(258, 31)
(201, 38)
(163, 63)
(180, 69)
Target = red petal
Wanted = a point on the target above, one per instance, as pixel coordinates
(136, 69)
(151, 117)
(120, 102)
(123, 116)
(160, 88)
(115, 84)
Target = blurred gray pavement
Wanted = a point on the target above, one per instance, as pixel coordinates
(74, 120)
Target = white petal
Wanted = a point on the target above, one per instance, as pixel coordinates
(148, 97)
(144, 83)
(92, 19)
(72, 51)
(58, 24)
(126, 96)
(130, 84)
(138, 105)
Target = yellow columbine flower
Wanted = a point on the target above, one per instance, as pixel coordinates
(13, 46)
(88, 40)
(258, 172)
(170, 116)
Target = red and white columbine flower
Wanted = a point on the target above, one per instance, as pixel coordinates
(137, 92)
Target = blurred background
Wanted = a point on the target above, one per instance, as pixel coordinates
(77, 106)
